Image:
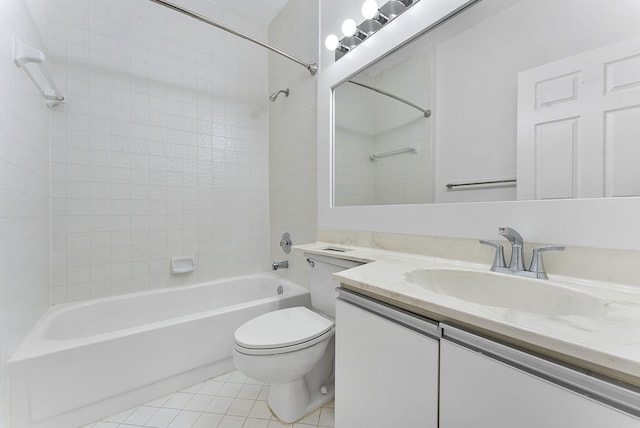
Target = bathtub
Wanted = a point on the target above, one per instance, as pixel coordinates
(84, 361)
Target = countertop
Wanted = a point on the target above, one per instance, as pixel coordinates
(608, 344)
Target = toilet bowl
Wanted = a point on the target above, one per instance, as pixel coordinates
(288, 349)
(293, 349)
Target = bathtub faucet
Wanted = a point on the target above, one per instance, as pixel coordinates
(280, 265)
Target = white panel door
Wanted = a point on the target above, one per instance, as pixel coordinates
(477, 391)
(386, 374)
(579, 125)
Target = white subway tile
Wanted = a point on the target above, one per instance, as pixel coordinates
(138, 163)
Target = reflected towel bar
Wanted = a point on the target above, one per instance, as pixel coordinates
(410, 149)
(480, 183)
(23, 55)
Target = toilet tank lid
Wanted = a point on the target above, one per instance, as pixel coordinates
(284, 327)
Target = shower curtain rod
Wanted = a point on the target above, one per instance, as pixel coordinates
(426, 112)
(312, 68)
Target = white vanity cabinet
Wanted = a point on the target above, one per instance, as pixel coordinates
(386, 366)
(484, 384)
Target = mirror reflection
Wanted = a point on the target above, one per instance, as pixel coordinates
(382, 134)
(529, 99)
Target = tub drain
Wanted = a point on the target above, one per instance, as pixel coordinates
(280, 290)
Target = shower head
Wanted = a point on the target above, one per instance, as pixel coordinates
(273, 97)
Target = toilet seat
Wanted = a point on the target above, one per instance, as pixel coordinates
(281, 331)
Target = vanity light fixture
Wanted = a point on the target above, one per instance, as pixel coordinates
(333, 43)
(370, 10)
(375, 18)
(349, 27)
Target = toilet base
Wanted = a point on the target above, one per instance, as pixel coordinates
(295, 399)
(291, 402)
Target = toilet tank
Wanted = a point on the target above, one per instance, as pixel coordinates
(321, 285)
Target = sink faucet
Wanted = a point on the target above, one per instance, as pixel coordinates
(516, 265)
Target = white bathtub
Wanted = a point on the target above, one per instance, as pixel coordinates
(84, 361)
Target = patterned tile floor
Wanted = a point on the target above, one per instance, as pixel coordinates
(228, 401)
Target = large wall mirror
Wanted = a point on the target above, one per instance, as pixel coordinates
(525, 100)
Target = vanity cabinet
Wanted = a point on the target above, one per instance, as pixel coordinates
(485, 384)
(396, 369)
(386, 366)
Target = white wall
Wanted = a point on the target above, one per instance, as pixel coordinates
(161, 149)
(24, 188)
(292, 133)
(604, 223)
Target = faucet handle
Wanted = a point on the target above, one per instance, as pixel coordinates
(537, 266)
(498, 259)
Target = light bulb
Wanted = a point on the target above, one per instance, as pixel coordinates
(349, 27)
(370, 9)
(332, 42)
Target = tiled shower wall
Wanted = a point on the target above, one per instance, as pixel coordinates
(292, 133)
(160, 151)
(24, 188)
(353, 169)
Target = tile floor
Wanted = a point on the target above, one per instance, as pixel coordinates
(228, 401)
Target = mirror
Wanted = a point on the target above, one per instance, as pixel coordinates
(529, 99)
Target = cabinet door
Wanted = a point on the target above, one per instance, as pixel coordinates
(481, 392)
(386, 374)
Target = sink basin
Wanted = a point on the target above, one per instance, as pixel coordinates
(508, 291)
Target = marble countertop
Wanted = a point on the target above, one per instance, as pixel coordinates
(607, 343)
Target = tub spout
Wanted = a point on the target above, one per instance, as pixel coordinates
(280, 265)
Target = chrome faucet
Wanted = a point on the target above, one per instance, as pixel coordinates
(516, 264)
(280, 265)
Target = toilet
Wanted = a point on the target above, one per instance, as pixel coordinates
(293, 349)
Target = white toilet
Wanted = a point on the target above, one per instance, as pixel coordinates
(293, 348)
